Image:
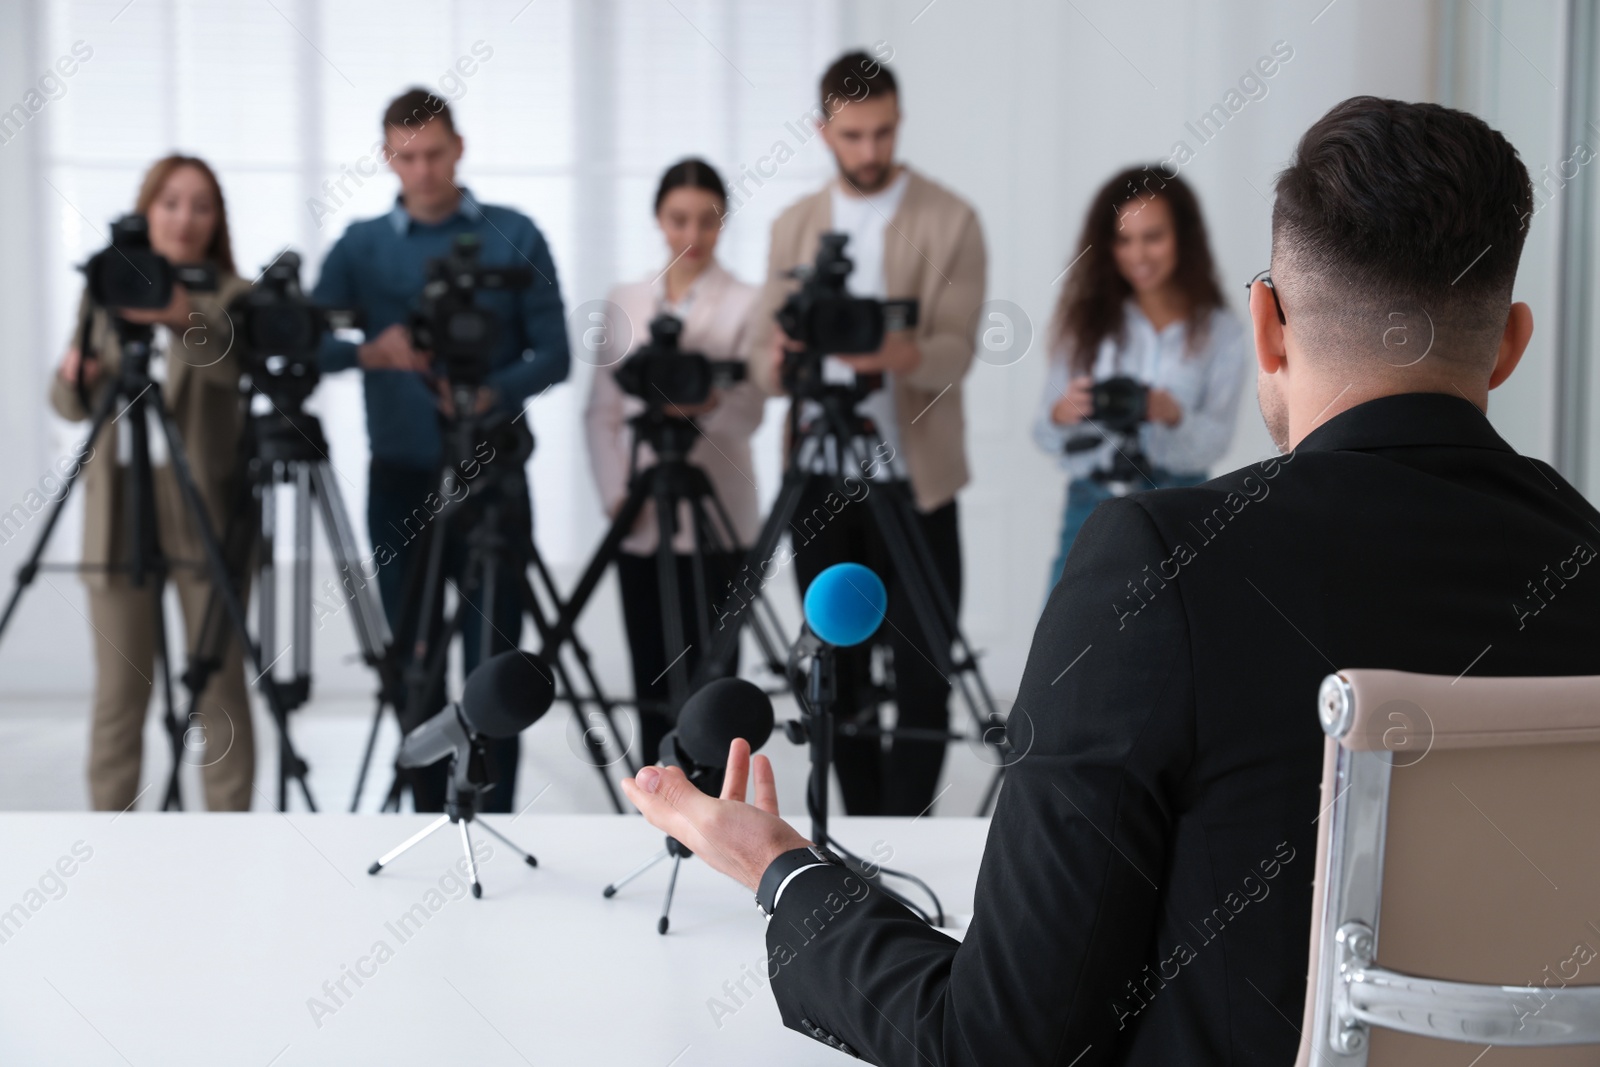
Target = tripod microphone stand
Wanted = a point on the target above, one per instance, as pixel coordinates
(708, 724)
(817, 692)
(136, 395)
(468, 781)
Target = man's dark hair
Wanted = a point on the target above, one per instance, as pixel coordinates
(407, 113)
(1389, 209)
(853, 77)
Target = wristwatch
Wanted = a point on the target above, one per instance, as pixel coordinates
(780, 869)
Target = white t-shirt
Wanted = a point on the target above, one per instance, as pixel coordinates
(866, 220)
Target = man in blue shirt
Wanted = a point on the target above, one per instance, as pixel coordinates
(380, 266)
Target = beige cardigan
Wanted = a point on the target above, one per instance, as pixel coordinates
(715, 327)
(933, 251)
(202, 392)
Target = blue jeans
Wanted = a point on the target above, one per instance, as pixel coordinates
(1083, 495)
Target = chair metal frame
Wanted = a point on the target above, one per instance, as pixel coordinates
(1352, 993)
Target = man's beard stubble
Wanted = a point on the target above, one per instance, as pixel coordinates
(868, 179)
(1274, 410)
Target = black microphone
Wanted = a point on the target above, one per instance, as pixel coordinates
(707, 724)
(504, 695)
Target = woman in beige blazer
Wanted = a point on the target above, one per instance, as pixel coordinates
(188, 224)
(714, 307)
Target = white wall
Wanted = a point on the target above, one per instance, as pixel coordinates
(1022, 106)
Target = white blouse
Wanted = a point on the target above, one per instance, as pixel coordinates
(1206, 384)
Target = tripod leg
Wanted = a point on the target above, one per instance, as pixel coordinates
(611, 890)
(290, 765)
(366, 754)
(666, 905)
(173, 801)
(725, 642)
(472, 864)
(673, 640)
(394, 853)
(30, 567)
(598, 757)
(527, 857)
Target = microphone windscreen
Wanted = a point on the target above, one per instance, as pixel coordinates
(721, 711)
(507, 693)
(844, 605)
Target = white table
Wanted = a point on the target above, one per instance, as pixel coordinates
(203, 939)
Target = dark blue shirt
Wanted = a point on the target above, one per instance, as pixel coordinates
(380, 265)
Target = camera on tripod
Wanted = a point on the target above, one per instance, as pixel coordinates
(128, 273)
(827, 320)
(279, 329)
(450, 323)
(1120, 406)
(661, 373)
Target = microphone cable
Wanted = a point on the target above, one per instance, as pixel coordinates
(862, 866)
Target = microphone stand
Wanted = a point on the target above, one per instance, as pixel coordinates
(679, 852)
(468, 779)
(815, 728)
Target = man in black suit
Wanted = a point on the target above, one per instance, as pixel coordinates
(1145, 892)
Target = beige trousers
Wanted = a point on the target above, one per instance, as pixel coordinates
(217, 735)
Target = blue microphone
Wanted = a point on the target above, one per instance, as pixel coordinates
(844, 605)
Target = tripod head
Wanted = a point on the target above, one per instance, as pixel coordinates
(130, 274)
(449, 321)
(826, 320)
(279, 329)
(668, 379)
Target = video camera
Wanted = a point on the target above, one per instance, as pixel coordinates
(279, 329)
(822, 316)
(128, 273)
(661, 373)
(449, 323)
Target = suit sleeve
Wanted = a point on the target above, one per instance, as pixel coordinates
(1067, 898)
(336, 287)
(547, 359)
(949, 342)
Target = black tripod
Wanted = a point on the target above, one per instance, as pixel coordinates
(285, 445)
(135, 394)
(672, 483)
(842, 441)
(480, 508)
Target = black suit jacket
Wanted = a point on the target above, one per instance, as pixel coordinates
(1145, 892)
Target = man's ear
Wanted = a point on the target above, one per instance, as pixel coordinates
(1513, 343)
(1270, 349)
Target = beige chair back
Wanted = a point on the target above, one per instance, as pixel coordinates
(1458, 873)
